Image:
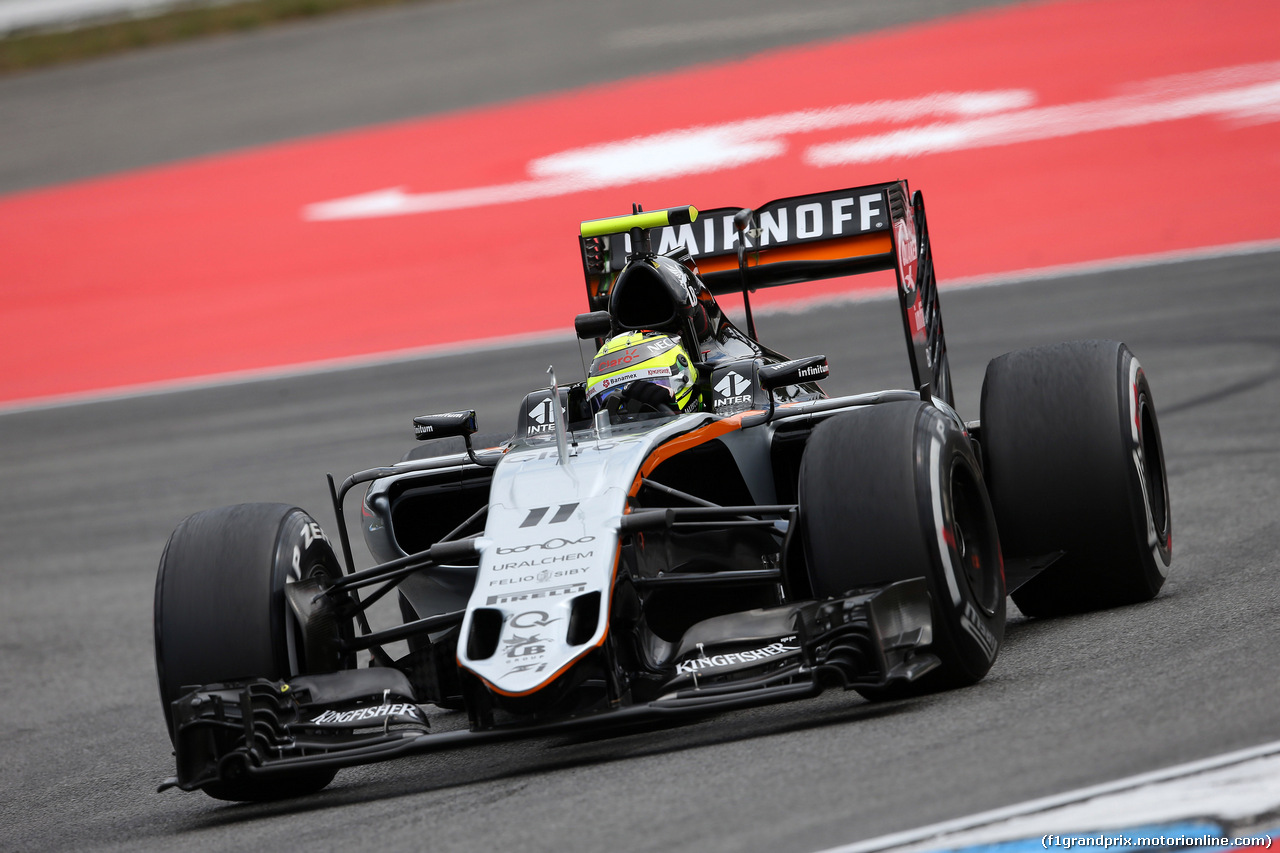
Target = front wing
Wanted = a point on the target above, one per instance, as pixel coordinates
(265, 728)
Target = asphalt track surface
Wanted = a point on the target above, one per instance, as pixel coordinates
(92, 492)
(348, 71)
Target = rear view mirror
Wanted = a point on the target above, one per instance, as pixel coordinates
(795, 372)
(808, 369)
(597, 324)
(426, 427)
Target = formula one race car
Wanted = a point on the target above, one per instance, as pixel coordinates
(696, 527)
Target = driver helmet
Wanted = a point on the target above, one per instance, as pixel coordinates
(642, 371)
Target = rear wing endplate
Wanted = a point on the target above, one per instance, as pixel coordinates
(799, 239)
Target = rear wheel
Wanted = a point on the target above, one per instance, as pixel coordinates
(221, 613)
(892, 492)
(1074, 464)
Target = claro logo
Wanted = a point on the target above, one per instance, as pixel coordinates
(620, 360)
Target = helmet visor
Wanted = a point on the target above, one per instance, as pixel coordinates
(613, 386)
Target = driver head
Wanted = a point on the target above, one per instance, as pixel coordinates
(639, 372)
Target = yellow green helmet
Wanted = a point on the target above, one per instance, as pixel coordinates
(642, 371)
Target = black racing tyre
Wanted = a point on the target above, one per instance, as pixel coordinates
(1074, 463)
(454, 444)
(221, 612)
(893, 492)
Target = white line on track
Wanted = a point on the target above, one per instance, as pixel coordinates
(952, 121)
(797, 306)
(1245, 93)
(1030, 807)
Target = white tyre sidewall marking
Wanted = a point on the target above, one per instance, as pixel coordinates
(1139, 463)
(969, 619)
(939, 518)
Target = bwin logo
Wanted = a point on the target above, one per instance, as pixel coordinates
(734, 389)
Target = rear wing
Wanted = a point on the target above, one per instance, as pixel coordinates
(795, 240)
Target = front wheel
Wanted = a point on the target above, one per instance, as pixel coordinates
(893, 492)
(1075, 467)
(221, 613)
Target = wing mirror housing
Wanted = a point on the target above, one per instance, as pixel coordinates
(795, 372)
(427, 427)
(448, 425)
(596, 324)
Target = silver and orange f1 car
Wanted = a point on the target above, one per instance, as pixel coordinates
(760, 542)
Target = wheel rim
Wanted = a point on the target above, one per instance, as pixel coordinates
(301, 661)
(1153, 474)
(974, 540)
